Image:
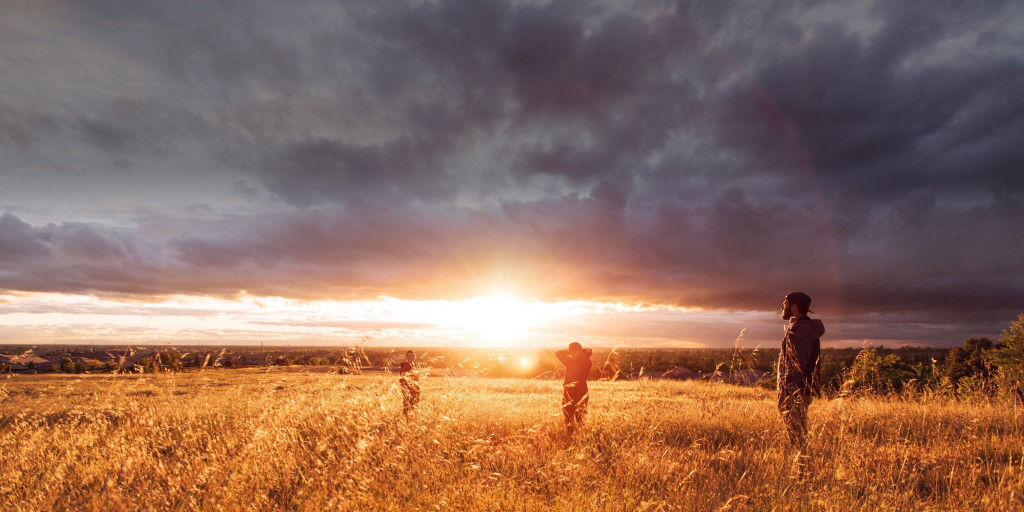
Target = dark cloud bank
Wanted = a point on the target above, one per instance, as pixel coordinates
(713, 154)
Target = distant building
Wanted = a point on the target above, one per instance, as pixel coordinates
(29, 363)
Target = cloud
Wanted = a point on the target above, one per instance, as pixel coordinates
(19, 241)
(21, 129)
(76, 258)
(883, 115)
(138, 127)
(714, 155)
(571, 247)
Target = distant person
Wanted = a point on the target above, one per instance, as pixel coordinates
(798, 365)
(410, 382)
(611, 368)
(575, 394)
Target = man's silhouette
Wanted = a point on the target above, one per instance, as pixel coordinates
(575, 394)
(798, 364)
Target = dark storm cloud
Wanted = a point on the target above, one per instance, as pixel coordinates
(19, 240)
(714, 154)
(445, 77)
(139, 127)
(76, 258)
(20, 128)
(882, 130)
(324, 170)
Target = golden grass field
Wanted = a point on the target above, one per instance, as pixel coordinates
(283, 439)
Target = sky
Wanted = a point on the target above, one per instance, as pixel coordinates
(492, 172)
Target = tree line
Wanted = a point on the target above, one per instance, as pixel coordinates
(980, 366)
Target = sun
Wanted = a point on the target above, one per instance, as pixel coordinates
(496, 320)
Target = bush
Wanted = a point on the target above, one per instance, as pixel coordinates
(967, 370)
(67, 365)
(171, 358)
(1008, 358)
(878, 374)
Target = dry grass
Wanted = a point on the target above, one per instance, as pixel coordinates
(278, 439)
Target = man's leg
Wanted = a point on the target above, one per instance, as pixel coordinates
(793, 408)
(568, 411)
(581, 409)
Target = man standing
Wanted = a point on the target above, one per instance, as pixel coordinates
(575, 394)
(798, 364)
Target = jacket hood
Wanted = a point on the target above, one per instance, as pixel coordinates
(816, 325)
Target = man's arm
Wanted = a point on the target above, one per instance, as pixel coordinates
(563, 356)
(805, 344)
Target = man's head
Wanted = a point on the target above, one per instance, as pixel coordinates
(575, 347)
(800, 300)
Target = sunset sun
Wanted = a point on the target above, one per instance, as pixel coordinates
(497, 320)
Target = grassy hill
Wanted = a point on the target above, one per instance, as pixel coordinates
(286, 439)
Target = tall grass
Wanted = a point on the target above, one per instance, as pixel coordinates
(264, 440)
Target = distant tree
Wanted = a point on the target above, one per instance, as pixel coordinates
(1008, 358)
(171, 358)
(967, 368)
(876, 373)
(830, 373)
(67, 365)
(148, 364)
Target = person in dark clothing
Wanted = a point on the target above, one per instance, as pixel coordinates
(410, 382)
(611, 369)
(575, 394)
(798, 364)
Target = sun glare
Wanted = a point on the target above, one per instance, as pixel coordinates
(498, 320)
(495, 321)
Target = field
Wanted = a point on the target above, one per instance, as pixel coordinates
(292, 440)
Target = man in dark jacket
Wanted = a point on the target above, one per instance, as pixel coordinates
(575, 394)
(798, 364)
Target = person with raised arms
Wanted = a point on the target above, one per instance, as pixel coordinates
(575, 394)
